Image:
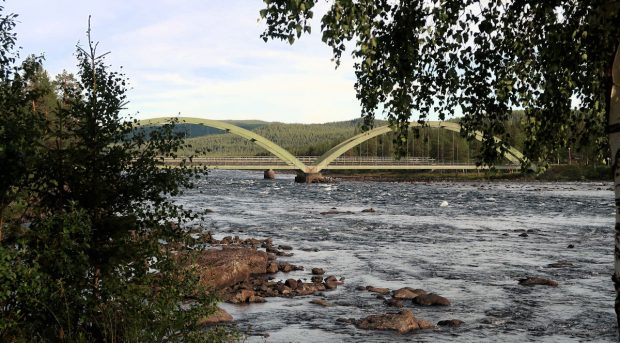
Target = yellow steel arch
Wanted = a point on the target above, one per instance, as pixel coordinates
(328, 157)
(261, 141)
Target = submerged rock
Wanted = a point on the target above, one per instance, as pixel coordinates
(368, 210)
(451, 323)
(533, 280)
(561, 264)
(378, 290)
(335, 212)
(431, 299)
(408, 293)
(393, 302)
(322, 302)
(403, 322)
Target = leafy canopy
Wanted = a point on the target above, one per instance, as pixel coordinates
(479, 58)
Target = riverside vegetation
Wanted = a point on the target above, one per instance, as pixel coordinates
(91, 246)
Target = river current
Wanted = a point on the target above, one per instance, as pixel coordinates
(471, 251)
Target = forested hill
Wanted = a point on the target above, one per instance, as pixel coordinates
(315, 139)
(194, 130)
(299, 139)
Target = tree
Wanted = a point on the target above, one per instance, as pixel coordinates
(558, 60)
(96, 251)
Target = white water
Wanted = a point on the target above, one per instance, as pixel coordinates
(469, 251)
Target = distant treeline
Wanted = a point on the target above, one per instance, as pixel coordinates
(315, 139)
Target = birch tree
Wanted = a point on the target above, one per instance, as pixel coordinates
(559, 60)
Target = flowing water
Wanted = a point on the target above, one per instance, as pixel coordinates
(470, 251)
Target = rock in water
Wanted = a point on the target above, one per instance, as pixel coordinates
(533, 280)
(393, 302)
(403, 322)
(222, 268)
(321, 302)
(272, 267)
(378, 290)
(219, 316)
(408, 293)
(452, 323)
(318, 271)
(431, 299)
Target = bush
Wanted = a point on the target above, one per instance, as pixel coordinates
(91, 245)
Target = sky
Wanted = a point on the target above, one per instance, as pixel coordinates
(194, 58)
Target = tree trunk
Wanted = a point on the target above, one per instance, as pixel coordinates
(614, 142)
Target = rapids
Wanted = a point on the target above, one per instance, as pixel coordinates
(469, 251)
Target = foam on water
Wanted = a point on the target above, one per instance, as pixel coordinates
(470, 251)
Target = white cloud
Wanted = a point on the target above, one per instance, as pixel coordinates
(198, 58)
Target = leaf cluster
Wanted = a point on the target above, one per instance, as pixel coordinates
(418, 58)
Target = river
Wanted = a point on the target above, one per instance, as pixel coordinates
(471, 251)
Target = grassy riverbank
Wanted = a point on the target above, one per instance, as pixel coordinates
(553, 173)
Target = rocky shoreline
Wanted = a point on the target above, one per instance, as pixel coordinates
(244, 271)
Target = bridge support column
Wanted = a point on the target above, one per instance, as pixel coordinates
(309, 178)
(269, 174)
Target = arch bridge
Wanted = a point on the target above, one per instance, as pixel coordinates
(311, 167)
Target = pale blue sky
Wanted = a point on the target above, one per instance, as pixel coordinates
(196, 58)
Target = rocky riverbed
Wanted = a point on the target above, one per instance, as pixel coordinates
(430, 262)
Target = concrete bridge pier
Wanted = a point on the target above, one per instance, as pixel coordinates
(269, 174)
(303, 177)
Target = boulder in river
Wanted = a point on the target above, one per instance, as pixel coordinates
(287, 267)
(534, 280)
(403, 322)
(379, 290)
(219, 316)
(242, 297)
(408, 293)
(226, 267)
(291, 283)
(431, 299)
(331, 282)
(317, 279)
(318, 271)
(392, 302)
(308, 288)
(451, 323)
(272, 267)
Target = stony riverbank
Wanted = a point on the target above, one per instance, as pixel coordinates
(247, 271)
